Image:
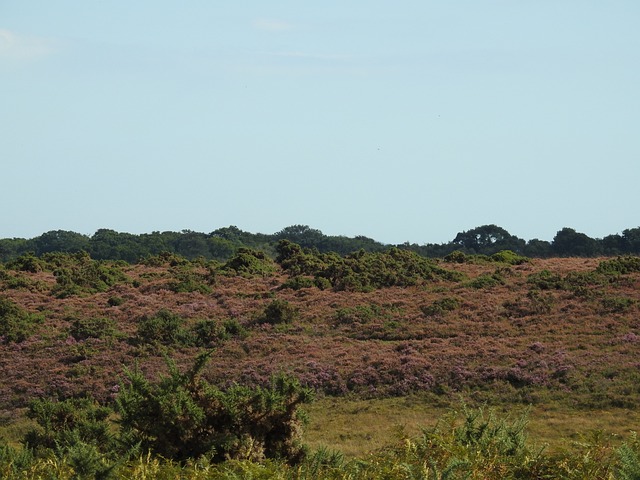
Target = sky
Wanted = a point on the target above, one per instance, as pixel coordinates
(404, 121)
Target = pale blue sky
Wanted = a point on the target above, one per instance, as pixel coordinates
(401, 121)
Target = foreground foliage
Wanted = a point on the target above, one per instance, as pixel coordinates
(183, 416)
(466, 444)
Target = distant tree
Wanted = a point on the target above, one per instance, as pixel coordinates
(259, 241)
(221, 249)
(631, 237)
(108, 244)
(538, 248)
(11, 248)
(303, 235)
(487, 240)
(155, 242)
(569, 243)
(613, 245)
(60, 241)
(231, 233)
(192, 244)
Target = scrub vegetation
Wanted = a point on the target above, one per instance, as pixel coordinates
(176, 367)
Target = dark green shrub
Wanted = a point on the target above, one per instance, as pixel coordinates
(115, 301)
(361, 270)
(322, 283)
(27, 262)
(78, 432)
(358, 314)
(16, 324)
(208, 332)
(184, 417)
(629, 459)
(299, 261)
(84, 328)
(15, 461)
(619, 266)
(456, 257)
(185, 279)
(234, 328)
(486, 281)
(86, 276)
(617, 304)
(165, 327)
(20, 282)
(546, 280)
(279, 311)
(440, 307)
(579, 280)
(540, 304)
(164, 259)
(536, 303)
(250, 262)
(510, 257)
(299, 282)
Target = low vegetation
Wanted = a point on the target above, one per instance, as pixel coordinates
(219, 358)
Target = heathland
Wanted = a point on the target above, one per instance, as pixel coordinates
(390, 344)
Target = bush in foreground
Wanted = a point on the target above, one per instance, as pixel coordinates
(185, 417)
(465, 444)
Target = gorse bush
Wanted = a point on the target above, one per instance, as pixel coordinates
(617, 304)
(21, 282)
(82, 275)
(619, 266)
(164, 259)
(84, 328)
(164, 327)
(183, 416)
(250, 262)
(486, 281)
(535, 303)
(279, 311)
(75, 433)
(441, 306)
(629, 460)
(301, 261)
(16, 324)
(457, 257)
(27, 262)
(546, 280)
(298, 282)
(361, 271)
(209, 332)
(185, 279)
(358, 314)
(62, 423)
(510, 257)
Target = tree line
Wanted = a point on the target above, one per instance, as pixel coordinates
(223, 243)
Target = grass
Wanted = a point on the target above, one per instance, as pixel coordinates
(13, 429)
(356, 427)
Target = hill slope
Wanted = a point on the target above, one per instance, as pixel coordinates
(493, 330)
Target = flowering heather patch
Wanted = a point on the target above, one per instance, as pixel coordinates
(555, 327)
